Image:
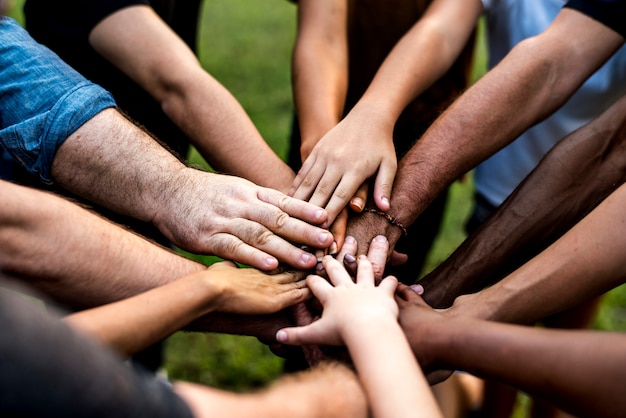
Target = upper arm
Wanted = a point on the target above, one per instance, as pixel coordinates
(138, 42)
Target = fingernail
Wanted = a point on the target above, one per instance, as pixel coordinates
(349, 258)
(385, 201)
(318, 214)
(418, 288)
(281, 336)
(323, 237)
(349, 239)
(356, 205)
(319, 266)
(270, 262)
(380, 238)
(306, 258)
(333, 248)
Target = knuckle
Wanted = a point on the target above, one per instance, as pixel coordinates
(262, 239)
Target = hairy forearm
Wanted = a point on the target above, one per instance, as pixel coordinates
(108, 262)
(94, 163)
(575, 370)
(576, 175)
(585, 262)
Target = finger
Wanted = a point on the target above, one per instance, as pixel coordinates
(338, 198)
(384, 183)
(324, 192)
(319, 286)
(357, 203)
(294, 207)
(307, 179)
(365, 273)
(251, 243)
(397, 258)
(389, 284)
(336, 272)
(338, 229)
(348, 247)
(309, 334)
(377, 255)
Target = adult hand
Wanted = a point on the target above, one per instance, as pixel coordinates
(250, 291)
(420, 322)
(364, 227)
(234, 219)
(359, 147)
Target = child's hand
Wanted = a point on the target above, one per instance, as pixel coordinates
(346, 304)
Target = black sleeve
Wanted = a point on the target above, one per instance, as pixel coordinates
(73, 16)
(50, 370)
(611, 13)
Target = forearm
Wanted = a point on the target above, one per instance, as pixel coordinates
(222, 131)
(320, 67)
(422, 55)
(108, 262)
(394, 363)
(570, 181)
(585, 262)
(575, 370)
(208, 113)
(132, 324)
(329, 390)
(531, 82)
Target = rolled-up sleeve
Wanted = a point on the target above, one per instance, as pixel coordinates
(42, 100)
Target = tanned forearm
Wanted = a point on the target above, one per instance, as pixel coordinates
(580, 172)
(40, 232)
(328, 390)
(581, 372)
(584, 263)
(532, 81)
(206, 111)
(320, 67)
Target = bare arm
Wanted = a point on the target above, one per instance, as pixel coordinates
(108, 263)
(582, 372)
(138, 42)
(530, 83)
(329, 390)
(364, 318)
(134, 323)
(320, 68)
(580, 171)
(334, 170)
(110, 161)
(585, 262)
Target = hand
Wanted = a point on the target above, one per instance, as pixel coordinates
(344, 303)
(420, 322)
(250, 291)
(234, 219)
(358, 148)
(364, 227)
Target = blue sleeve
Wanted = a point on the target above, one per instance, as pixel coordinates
(42, 100)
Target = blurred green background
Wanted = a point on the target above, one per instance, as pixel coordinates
(246, 45)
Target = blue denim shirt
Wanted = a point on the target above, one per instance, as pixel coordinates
(42, 100)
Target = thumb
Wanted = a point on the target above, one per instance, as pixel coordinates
(384, 184)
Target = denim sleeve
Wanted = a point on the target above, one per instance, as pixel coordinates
(42, 100)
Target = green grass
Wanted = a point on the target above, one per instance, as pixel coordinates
(246, 45)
